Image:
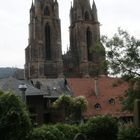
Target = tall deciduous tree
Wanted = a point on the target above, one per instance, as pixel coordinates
(14, 119)
(123, 55)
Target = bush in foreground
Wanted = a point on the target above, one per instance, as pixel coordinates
(128, 132)
(68, 130)
(101, 128)
(47, 132)
(15, 123)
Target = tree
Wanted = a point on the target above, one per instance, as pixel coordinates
(131, 94)
(100, 128)
(14, 119)
(79, 107)
(123, 55)
(72, 107)
(100, 64)
(64, 103)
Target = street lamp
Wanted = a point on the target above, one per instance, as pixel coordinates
(23, 88)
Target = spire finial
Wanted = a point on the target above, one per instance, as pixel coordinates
(32, 3)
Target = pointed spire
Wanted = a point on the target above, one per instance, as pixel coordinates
(94, 6)
(94, 11)
(71, 4)
(82, 3)
(32, 5)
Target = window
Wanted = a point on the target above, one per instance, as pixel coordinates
(89, 40)
(86, 15)
(38, 85)
(46, 11)
(97, 106)
(111, 101)
(48, 42)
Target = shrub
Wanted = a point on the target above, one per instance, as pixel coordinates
(128, 132)
(47, 132)
(15, 123)
(101, 128)
(68, 130)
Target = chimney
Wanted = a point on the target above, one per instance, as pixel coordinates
(96, 87)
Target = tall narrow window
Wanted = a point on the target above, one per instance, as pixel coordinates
(86, 15)
(89, 39)
(46, 11)
(48, 41)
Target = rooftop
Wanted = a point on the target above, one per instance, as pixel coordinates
(103, 94)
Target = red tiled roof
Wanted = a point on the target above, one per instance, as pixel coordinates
(108, 88)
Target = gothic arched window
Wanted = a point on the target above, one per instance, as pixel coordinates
(89, 40)
(46, 11)
(86, 15)
(48, 42)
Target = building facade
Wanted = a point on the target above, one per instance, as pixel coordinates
(43, 54)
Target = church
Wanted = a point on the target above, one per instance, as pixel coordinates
(44, 59)
(81, 71)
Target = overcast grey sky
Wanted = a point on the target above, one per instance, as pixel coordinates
(14, 19)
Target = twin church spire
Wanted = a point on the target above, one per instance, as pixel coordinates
(44, 52)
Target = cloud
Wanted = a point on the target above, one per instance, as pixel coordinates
(14, 15)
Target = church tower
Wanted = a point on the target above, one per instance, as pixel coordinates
(43, 53)
(85, 38)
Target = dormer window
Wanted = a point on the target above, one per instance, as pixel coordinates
(46, 11)
(97, 106)
(111, 101)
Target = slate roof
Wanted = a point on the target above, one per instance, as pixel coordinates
(54, 87)
(11, 84)
(108, 88)
(50, 88)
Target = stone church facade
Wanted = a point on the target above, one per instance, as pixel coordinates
(44, 57)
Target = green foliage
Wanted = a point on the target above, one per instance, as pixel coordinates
(64, 103)
(1, 92)
(68, 130)
(72, 107)
(123, 54)
(14, 119)
(128, 132)
(78, 107)
(101, 128)
(131, 95)
(100, 64)
(47, 132)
